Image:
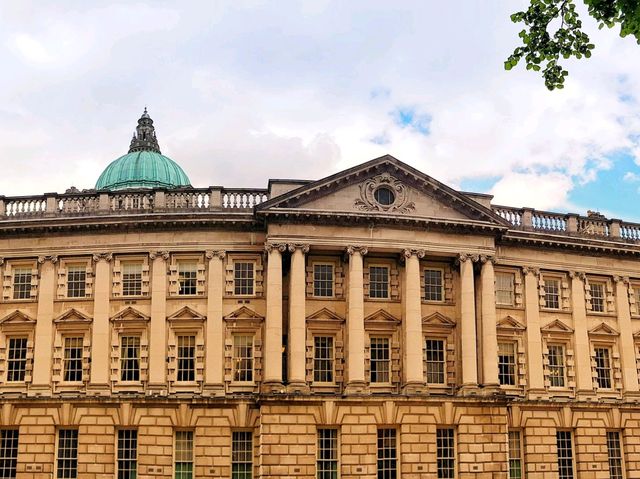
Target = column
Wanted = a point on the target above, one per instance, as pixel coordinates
(534, 338)
(158, 326)
(488, 312)
(41, 384)
(468, 323)
(412, 323)
(584, 378)
(355, 322)
(627, 347)
(214, 360)
(273, 322)
(100, 334)
(297, 319)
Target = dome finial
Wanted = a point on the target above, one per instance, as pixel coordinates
(144, 139)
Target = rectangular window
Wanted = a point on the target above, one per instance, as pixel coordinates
(327, 461)
(378, 282)
(434, 357)
(323, 359)
(433, 287)
(636, 295)
(505, 289)
(183, 455)
(597, 297)
(16, 359)
(21, 283)
(130, 358)
(67, 464)
(507, 363)
(445, 453)
(565, 454)
(127, 453)
(8, 453)
(73, 359)
(131, 279)
(323, 280)
(76, 281)
(387, 454)
(187, 278)
(380, 360)
(243, 278)
(614, 448)
(242, 455)
(243, 358)
(552, 293)
(556, 365)
(515, 455)
(603, 367)
(186, 358)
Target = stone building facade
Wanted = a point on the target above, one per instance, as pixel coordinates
(374, 323)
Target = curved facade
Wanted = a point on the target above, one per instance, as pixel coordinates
(374, 323)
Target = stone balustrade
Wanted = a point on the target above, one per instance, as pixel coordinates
(569, 224)
(130, 201)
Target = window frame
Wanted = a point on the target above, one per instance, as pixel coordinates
(332, 265)
(191, 359)
(9, 361)
(441, 472)
(117, 454)
(122, 359)
(28, 285)
(388, 361)
(557, 294)
(72, 459)
(443, 340)
(124, 263)
(252, 359)
(514, 374)
(387, 267)
(191, 452)
(331, 360)
(12, 460)
(80, 267)
(251, 450)
(513, 458)
(180, 263)
(234, 263)
(621, 466)
(442, 284)
(394, 461)
(321, 473)
(563, 366)
(76, 360)
(572, 457)
(512, 291)
(608, 368)
(602, 300)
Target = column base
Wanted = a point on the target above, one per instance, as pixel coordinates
(213, 390)
(470, 389)
(297, 387)
(42, 390)
(356, 388)
(99, 389)
(414, 388)
(273, 387)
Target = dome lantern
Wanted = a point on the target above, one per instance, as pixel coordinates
(144, 166)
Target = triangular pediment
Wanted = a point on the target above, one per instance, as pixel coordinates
(438, 320)
(325, 314)
(414, 195)
(511, 323)
(186, 313)
(130, 314)
(17, 317)
(603, 330)
(243, 313)
(556, 326)
(73, 316)
(381, 316)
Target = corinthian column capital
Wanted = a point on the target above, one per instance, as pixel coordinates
(53, 258)
(221, 254)
(485, 258)
(408, 253)
(281, 247)
(363, 250)
(530, 270)
(294, 246)
(582, 276)
(102, 257)
(159, 254)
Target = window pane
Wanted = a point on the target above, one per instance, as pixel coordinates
(615, 455)
(556, 365)
(565, 454)
(184, 455)
(387, 454)
(73, 359)
(187, 278)
(327, 461)
(131, 279)
(433, 285)
(243, 358)
(127, 453)
(603, 367)
(597, 297)
(378, 282)
(8, 453)
(445, 451)
(505, 288)
(186, 358)
(380, 360)
(515, 455)
(16, 359)
(67, 465)
(434, 361)
(130, 358)
(323, 359)
(76, 281)
(507, 364)
(242, 455)
(552, 293)
(21, 283)
(243, 278)
(323, 280)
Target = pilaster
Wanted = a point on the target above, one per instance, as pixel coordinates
(468, 324)
(356, 383)
(627, 347)
(297, 319)
(488, 321)
(584, 379)
(214, 361)
(412, 324)
(100, 337)
(533, 336)
(41, 384)
(158, 324)
(273, 321)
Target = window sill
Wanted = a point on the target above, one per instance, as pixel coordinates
(512, 307)
(555, 311)
(80, 299)
(324, 298)
(437, 303)
(602, 314)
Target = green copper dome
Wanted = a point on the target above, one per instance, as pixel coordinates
(144, 166)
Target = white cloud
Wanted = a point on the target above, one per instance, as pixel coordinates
(544, 191)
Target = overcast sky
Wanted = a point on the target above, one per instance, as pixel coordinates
(244, 91)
